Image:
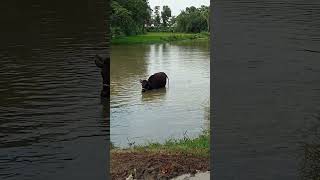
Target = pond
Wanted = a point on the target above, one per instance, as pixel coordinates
(267, 88)
(52, 122)
(181, 109)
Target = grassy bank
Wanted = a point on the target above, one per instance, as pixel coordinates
(158, 37)
(199, 146)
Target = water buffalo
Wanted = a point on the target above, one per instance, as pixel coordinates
(104, 64)
(155, 81)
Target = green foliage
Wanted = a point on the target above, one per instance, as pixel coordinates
(199, 146)
(158, 37)
(165, 15)
(157, 19)
(134, 17)
(121, 21)
(128, 17)
(193, 20)
(172, 21)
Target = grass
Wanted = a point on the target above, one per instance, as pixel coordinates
(158, 37)
(199, 146)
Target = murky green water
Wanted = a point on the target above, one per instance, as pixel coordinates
(267, 89)
(52, 123)
(181, 108)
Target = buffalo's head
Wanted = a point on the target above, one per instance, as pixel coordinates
(145, 85)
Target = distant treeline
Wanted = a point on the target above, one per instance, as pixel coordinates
(132, 17)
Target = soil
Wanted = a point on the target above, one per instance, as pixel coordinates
(151, 166)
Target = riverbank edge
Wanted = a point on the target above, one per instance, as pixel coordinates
(173, 158)
(159, 37)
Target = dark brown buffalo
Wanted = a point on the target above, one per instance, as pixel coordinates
(155, 81)
(104, 64)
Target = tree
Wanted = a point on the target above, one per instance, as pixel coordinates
(141, 12)
(121, 21)
(205, 13)
(157, 19)
(193, 20)
(129, 17)
(148, 20)
(165, 15)
(172, 21)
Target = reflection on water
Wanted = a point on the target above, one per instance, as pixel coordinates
(267, 86)
(154, 96)
(162, 113)
(52, 125)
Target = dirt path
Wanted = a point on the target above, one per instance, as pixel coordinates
(150, 166)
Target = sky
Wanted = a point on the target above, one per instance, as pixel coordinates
(177, 5)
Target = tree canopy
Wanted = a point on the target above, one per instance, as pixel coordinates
(165, 15)
(193, 20)
(157, 19)
(130, 17)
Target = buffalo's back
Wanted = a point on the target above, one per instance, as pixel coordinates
(158, 80)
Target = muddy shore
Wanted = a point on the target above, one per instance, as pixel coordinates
(155, 165)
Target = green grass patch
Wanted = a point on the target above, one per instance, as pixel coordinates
(158, 37)
(199, 146)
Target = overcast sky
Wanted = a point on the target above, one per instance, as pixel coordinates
(177, 5)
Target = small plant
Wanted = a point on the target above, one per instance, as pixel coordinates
(199, 146)
(130, 143)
